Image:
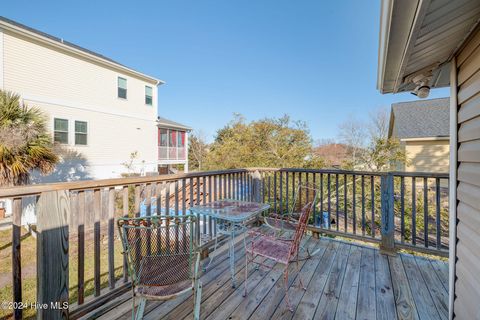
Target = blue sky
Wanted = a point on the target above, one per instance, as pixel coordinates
(314, 60)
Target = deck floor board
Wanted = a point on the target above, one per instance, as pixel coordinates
(343, 281)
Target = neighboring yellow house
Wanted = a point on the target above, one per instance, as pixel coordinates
(423, 130)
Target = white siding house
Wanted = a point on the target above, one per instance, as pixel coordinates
(98, 109)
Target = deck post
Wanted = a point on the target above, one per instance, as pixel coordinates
(53, 210)
(387, 229)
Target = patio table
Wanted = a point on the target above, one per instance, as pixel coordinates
(231, 217)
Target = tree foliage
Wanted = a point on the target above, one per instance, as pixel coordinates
(25, 144)
(264, 143)
(369, 146)
(197, 150)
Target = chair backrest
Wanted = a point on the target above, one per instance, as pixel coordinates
(160, 249)
(303, 194)
(300, 229)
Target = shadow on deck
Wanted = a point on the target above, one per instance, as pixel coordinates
(345, 281)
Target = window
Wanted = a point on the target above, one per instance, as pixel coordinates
(60, 130)
(162, 137)
(148, 95)
(81, 133)
(173, 138)
(181, 139)
(122, 88)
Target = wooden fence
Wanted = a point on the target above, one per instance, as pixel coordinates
(79, 258)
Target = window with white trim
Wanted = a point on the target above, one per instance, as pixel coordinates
(148, 95)
(81, 133)
(60, 130)
(122, 88)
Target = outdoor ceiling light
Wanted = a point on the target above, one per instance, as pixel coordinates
(422, 90)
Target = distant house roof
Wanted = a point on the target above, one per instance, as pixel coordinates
(16, 26)
(166, 123)
(334, 154)
(420, 119)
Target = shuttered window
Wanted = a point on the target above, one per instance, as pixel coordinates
(81, 133)
(60, 130)
(122, 88)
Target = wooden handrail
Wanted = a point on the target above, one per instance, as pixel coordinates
(29, 190)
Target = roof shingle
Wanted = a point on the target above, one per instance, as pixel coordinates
(420, 119)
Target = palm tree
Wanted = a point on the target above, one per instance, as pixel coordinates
(25, 144)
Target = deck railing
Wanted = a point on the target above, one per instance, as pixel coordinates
(171, 153)
(405, 210)
(79, 252)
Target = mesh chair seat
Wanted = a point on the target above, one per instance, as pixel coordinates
(164, 291)
(164, 271)
(270, 248)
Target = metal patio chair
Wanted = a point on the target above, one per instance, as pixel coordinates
(284, 224)
(163, 259)
(279, 250)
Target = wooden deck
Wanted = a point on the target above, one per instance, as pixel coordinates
(345, 281)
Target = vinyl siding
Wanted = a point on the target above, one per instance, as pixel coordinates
(427, 156)
(467, 292)
(67, 86)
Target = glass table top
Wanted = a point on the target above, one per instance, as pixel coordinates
(231, 210)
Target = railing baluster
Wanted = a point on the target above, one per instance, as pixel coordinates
(81, 247)
(125, 204)
(321, 201)
(167, 213)
(402, 209)
(337, 202)
(229, 177)
(345, 203)
(17, 256)
(354, 205)
(210, 200)
(204, 200)
(299, 190)
(198, 215)
(437, 208)
(306, 190)
(275, 192)
(329, 185)
(215, 198)
(184, 195)
(363, 205)
(176, 213)
(372, 194)
(425, 210)
(280, 205)
(111, 238)
(286, 191)
(96, 239)
(414, 212)
(315, 206)
(148, 212)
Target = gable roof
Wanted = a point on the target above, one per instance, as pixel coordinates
(420, 119)
(17, 27)
(166, 123)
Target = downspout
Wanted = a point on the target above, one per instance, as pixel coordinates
(452, 187)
